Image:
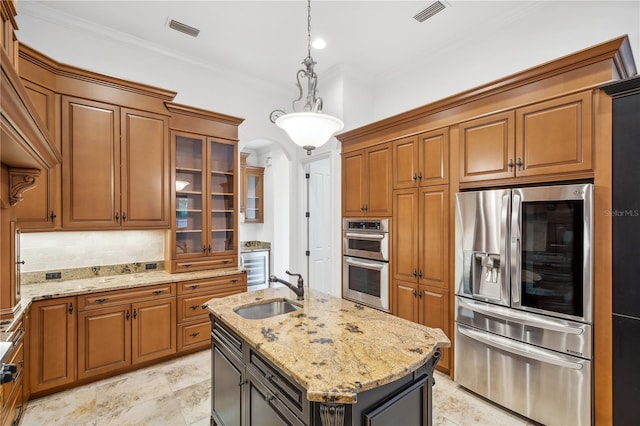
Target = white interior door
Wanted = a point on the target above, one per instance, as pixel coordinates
(319, 224)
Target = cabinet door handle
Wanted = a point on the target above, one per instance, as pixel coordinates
(366, 208)
(510, 164)
(194, 307)
(186, 265)
(194, 286)
(519, 163)
(158, 292)
(362, 208)
(415, 273)
(242, 382)
(117, 216)
(70, 308)
(195, 334)
(226, 261)
(204, 249)
(127, 315)
(420, 274)
(415, 177)
(135, 313)
(415, 293)
(234, 281)
(420, 294)
(209, 248)
(102, 300)
(52, 216)
(420, 176)
(20, 262)
(124, 216)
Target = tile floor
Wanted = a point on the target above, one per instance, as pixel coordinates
(177, 393)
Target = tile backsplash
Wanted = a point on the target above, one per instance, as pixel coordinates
(45, 251)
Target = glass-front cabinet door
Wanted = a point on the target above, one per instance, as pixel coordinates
(189, 200)
(222, 200)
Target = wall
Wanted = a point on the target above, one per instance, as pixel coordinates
(44, 251)
(522, 45)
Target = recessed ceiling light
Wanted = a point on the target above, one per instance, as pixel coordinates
(319, 44)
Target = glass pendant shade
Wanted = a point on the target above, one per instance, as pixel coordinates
(309, 129)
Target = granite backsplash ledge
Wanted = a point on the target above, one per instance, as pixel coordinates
(55, 275)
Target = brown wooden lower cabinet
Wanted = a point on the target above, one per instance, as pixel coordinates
(115, 337)
(12, 398)
(52, 338)
(426, 305)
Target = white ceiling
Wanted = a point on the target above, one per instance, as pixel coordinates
(268, 39)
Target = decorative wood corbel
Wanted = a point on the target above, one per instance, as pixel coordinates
(21, 180)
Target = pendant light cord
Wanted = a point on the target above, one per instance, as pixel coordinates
(309, 28)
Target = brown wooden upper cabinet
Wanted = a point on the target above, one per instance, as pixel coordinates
(204, 231)
(254, 194)
(366, 182)
(547, 138)
(41, 208)
(421, 160)
(115, 171)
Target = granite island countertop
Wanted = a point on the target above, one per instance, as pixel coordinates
(332, 347)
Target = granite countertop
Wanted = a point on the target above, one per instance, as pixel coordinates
(57, 288)
(332, 347)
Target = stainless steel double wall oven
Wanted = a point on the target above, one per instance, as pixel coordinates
(365, 277)
(524, 289)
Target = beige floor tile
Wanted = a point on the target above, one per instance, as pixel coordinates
(77, 407)
(195, 401)
(160, 411)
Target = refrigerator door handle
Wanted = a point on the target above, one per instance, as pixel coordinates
(504, 247)
(520, 319)
(515, 249)
(521, 349)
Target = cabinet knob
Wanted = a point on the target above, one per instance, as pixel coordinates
(158, 292)
(415, 273)
(420, 274)
(117, 216)
(209, 248)
(415, 177)
(70, 308)
(194, 307)
(124, 216)
(420, 176)
(127, 315)
(510, 164)
(102, 300)
(519, 163)
(194, 286)
(135, 313)
(204, 249)
(415, 293)
(52, 216)
(186, 265)
(420, 294)
(195, 334)
(366, 208)
(234, 281)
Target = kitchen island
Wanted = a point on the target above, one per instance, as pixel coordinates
(328, 362)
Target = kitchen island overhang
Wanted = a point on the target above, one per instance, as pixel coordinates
(333, 349)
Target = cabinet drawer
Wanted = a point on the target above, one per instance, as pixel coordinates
(194, 335)
(190, 307)
(118, 297)
(213, 285)
(16, 357)
(226, 337)
(199, 265)
(12, 412)
(289, 392)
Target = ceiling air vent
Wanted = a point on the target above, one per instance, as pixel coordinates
(429, 11)
(183, 28)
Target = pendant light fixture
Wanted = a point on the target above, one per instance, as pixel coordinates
(308, 128)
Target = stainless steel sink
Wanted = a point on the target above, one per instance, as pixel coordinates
(266, 309)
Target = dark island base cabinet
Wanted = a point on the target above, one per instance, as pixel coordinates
(249, 390)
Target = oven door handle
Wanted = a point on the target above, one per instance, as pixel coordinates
(527, 351)
(517, 317)
(377, 266)
(365, 236)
